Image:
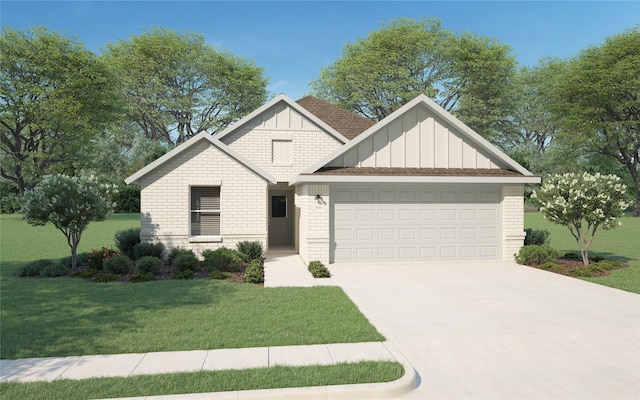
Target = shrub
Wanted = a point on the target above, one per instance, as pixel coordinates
(551, 266)
(536, 236)
(97, 258)
(178, 251)
(222, 259)
(82, 260)
(186, 262)
(10, 203)
(254, 273)
(219, 275)
(126, 241)
(103, 277)
(573, 256)
(536, 255)
(34, 268)
(253, 250)
(148, 249)
(184, 274)
(142, 277)
(318, 270)
(608, 265)
(118, 265)
(87, 273)
(54, 271)
(148, 265)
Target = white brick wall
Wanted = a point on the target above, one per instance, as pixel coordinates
(309, 143)
(165, 207)
(314, 222)
(512, 220)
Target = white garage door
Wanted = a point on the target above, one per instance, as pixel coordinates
(417, 222)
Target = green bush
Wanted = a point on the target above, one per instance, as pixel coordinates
(104, 277)
(184, 274)
(538, 237)
(185, 262)
(55, 271)
(223, 259)
(318, 270)
(219, 275)
(10, 199)
(118, 265)
(572, 255)
(536, 255)
(178, 251)
(34, 268)
(148, 265)
(586, 271)
(608, 265)
(86, 273)
(551, 266)
(83, 260)
(126, 241)
(142, 277)
(253, 250)
(97, 258)
(254, 273)
(148, 249)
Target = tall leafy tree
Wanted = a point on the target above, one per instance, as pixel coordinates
(55, 96)
(177, 85)
(598, 102)
(466, 74)
(532, 123)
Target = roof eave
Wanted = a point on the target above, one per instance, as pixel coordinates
(305, 178)
(204, 135)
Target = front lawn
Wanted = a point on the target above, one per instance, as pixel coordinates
(619, 244)
(67, 316)
(205, 381)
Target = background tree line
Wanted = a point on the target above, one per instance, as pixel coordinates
(64, 109)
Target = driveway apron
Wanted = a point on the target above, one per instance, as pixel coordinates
(498, 330)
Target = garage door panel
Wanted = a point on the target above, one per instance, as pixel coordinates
(418, 228)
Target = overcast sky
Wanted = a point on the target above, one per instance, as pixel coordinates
(293, 40)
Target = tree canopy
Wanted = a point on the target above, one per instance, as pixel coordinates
(597, 102)
(466, 74)
(55, 96)
(176, 84)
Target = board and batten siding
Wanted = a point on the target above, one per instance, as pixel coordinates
(282, 142)
(165, 199)
(416, 140)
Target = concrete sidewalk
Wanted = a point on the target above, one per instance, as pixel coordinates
(114, 365)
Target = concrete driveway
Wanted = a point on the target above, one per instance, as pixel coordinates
(498, 330)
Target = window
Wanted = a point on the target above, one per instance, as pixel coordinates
(205, 211)
(278, 206)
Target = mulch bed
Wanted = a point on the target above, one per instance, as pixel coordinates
(575, 268)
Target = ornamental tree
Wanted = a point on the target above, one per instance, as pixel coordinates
(69, 203)
(583, 203)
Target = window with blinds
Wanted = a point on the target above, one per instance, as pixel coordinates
(205, 211)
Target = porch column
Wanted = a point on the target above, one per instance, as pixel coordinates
(314, 232)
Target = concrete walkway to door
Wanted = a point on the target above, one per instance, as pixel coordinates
(498, 330)
(284, 267)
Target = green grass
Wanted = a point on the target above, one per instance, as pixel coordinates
(68, 316)
(621, 244)
(205, 381)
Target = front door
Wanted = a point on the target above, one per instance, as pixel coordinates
(281, 217)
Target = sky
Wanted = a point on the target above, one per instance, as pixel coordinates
(294, 40)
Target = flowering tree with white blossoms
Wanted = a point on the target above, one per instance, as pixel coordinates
(69, 203)
(583, 203)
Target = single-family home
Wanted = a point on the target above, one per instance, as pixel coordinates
(418, 185)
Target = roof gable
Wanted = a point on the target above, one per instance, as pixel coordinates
(288, 103)
(204, 135)
(420, 134)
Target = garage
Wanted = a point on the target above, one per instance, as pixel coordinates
(377, 222)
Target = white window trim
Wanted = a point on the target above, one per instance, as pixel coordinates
(205, 238)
